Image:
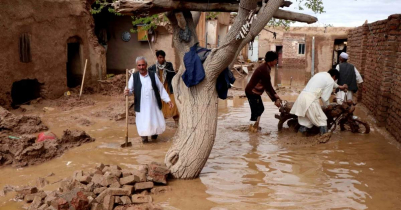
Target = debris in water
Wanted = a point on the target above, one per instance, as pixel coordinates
(26, 151)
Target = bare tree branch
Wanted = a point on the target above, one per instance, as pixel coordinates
(145, 8)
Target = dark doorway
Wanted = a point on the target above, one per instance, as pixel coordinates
(74, 71)
(279, 51)
(24, 91)
(340, 45)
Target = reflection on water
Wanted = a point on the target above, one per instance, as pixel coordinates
(245, 170)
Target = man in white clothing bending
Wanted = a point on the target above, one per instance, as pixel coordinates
(348, 75)
(149, 92)
(307, 106)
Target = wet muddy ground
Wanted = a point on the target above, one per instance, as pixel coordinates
(266, 170)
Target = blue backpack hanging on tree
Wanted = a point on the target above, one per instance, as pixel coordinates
(194, 71)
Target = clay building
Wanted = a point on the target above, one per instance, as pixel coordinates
(294, 47)
(46, 44)
(44, 47)
(123, 45)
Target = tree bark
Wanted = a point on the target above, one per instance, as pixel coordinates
(198, 105)
(146, 8)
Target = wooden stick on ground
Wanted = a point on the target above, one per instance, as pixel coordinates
(126, 143)
(83, 79)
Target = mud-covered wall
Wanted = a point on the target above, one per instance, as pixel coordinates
(375, 50)
(49, 24)
(121, 55)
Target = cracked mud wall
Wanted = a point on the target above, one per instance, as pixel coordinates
(49, 24)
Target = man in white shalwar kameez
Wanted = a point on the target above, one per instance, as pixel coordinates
(307, 106)
(348, 75)
(149, 92)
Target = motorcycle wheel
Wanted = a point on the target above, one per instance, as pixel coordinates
(364, 127)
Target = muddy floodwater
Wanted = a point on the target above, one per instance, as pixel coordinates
(266, 170)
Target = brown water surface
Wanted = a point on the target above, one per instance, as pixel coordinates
(245, 170)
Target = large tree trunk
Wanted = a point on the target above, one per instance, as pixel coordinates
(197, 105)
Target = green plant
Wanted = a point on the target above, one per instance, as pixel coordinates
(150, 22)
(99, 5)
(212, 15)
(315, 5)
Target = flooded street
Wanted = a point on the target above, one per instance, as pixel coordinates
(244, 171)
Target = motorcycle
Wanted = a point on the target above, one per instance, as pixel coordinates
(342, 115)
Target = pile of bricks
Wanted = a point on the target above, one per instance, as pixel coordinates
(375, 50)
(106, 187)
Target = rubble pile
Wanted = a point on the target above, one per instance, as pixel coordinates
(113, 86)
(106, 187)
(25, 150)
(66, 103)
(20, 124)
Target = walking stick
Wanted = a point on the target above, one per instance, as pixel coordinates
(126, 143)
(83, 79)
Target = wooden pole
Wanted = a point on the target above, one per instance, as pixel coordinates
(83, 79)
(126, 109)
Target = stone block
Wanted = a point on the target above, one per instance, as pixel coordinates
(43, 207)
(115, 185)
(99, 190)
(129, 180)
(50, 197)
(115, 172)
(144, 186)
(60, 204)
(30, 197)
(26, 190)
(99, 166)
(105, 169)
(80, 201)
(126, 172)
(117, 200)
(36, 203)
(84, 179)
(99, 179)
(97, 206)
(141, 174)
(131, 188)
(110, 179)
(89, 187)
(112, 191)
(108, 202)
(158, 173)
(138, 199)
(125, 200)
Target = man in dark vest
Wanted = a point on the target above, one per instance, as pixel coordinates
(149, 93)
(166, 72)
(348, 75)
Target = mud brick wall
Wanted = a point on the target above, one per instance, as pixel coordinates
(375, 50)
(294, 64)
(51, 25)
